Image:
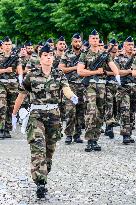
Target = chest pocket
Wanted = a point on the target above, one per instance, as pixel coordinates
(37, 86)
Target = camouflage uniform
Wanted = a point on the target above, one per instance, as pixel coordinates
(44, 128)
(74, 114)
(125, 96)
(33, 62)
(8, 94)
(111, 105)
(95, 93)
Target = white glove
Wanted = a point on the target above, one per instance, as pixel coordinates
(14, 122)
(74, 99)
(20, 79)
(118, 79)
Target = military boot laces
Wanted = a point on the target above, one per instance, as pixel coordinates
(126, 139)
(41, 191)
(68, 140)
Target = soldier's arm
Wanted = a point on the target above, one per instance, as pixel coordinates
(114, 68)
(65, 68)
(133, 68)
(84, 72)
(5, 70)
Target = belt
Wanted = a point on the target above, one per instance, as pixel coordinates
(8, 81)
(130, 84)
(112, 82)
(97, 82)
(48, 106)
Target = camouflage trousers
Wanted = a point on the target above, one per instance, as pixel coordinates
(44, 130)
(75, 113)
(110, 104)
(126, 97)
(8, 95)
(95, 110)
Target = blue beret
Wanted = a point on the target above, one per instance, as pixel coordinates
(61, 38)
(1, 42)
(76, 35)
(40, 43)
(46, 48)
(94, 33)
(105, 46)
(129, 39)
(6, 39)
(120, 47)
(100, 41)
(113, 41)
(86, 43)
(50, 40)
(29, 43)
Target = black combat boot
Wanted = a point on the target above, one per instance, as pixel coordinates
(89, 146)
(77, 139)
(131, 140)
(68, 140)
(2, 134)
(95, 146)
(7, 134)
(126, 139)
(41, 190)
(110, 132)
(106, 131)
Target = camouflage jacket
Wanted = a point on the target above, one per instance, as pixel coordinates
(70, 59)
(88, 57)
(23, 61)
(13, 74)
(44, 89)
(121, 61)
(33, 61)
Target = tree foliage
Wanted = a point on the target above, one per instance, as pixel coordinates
(40, 19)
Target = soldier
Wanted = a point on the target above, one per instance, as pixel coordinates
(111, 91)
(38, 47)
(51, 43)
(8, 88)
(125, 91)
(95, 91)
(74, 114)
(44, 128)
(101, 45)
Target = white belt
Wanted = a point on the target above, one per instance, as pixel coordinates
(130, 84)
(94, 81)
(48, 106)
(112, 82)
(8, 81)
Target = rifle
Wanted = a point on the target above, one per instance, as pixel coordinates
(73, 72)
(128, 78)
(97, 63)
(11, 59)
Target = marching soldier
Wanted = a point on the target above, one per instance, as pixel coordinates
(126, 90)
(74, 115)
(95, 91)
(8, 88)
(44, 128)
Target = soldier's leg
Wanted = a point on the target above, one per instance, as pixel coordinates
(92, 131)
(70, 118)
(11, 97)
(125, 115)
(53, 134)
(3, 109)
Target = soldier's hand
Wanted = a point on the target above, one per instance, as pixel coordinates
(100, 71)
(9, 70)
(27, 70)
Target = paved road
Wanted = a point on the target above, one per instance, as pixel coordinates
(77, 178)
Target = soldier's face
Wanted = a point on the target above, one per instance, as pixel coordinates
(1, 49)
(101, 46)
(46, 59)
(94, 40)
(51, 45)
(23, 52)
(61, 45)
(7, 46)
(77, 43)
(115, 48)
(29, 49)
(134, 50)
(129, 47)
